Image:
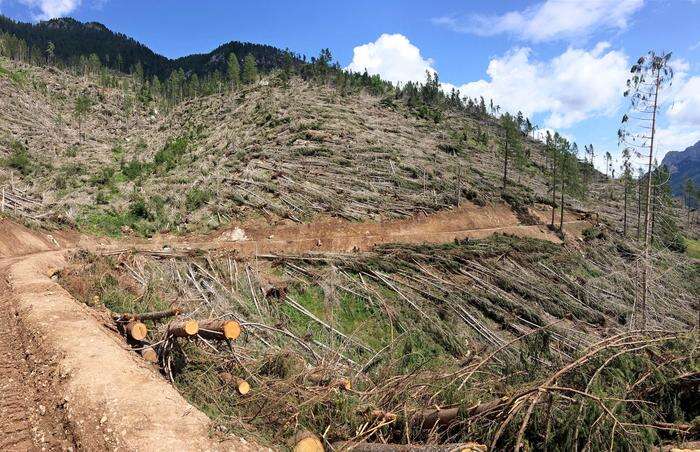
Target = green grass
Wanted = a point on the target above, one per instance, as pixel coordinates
(145, 218)
(693, 248)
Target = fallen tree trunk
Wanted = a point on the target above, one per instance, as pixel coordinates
(324, 380)
(183, 328)
(378, 447)
(427, 419)
(136, 330)
(157, 315)
(242, 386)
(381, 415)
(220, 329)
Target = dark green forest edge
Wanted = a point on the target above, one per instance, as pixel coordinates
(524, 343)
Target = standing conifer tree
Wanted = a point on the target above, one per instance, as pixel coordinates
(80, 109)
(511, 144)
(233, 71)
(250, 70)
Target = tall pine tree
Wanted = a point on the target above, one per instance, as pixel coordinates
(250, 70)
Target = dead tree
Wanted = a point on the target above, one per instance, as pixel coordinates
(650, 74)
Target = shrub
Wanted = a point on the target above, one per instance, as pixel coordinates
(19, 159)
(196, 198)
(138, 208)
(133, 169)
(103, 177)
(102, 197)
(168, 157)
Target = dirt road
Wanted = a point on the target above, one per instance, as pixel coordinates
(340, 236)
(30, 414)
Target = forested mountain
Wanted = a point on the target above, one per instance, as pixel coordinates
(266, 57)
(72, 40)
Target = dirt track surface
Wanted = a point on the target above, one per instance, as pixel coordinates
(31, 416)
(68, 382)
(333, 235)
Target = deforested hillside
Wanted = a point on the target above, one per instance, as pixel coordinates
(277, 150)
(310, 254)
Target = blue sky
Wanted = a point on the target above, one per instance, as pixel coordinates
(563, 62)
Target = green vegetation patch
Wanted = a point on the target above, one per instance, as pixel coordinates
(692, 248)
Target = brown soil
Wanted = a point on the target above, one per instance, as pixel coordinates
(31, 411)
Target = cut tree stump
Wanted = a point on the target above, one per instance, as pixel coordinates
(183, 328)
(220, 329)
(242, 386)
(305, 441)
(136, 330)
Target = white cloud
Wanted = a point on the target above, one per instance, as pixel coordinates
(682, 115)
(393, 57)
(49, 9)
(572, 87)
(550, 20)
(685, 105)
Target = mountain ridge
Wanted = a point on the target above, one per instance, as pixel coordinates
(73, 39)
(683, 165)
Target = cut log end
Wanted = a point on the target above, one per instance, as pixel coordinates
(307, 442)
(184, 328)
(232, 330)
(243, 387)
(149, 355)
(137, 330)
(343, 383)
(220, 329)
(191, 327)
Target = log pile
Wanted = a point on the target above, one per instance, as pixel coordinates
(132, 326)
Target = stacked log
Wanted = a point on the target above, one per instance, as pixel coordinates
(220, 329)
(136, 330)
(378, 447)
(149, 354)
(183, 328)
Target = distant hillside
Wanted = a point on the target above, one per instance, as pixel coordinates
(73, 39)
(683, 165)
